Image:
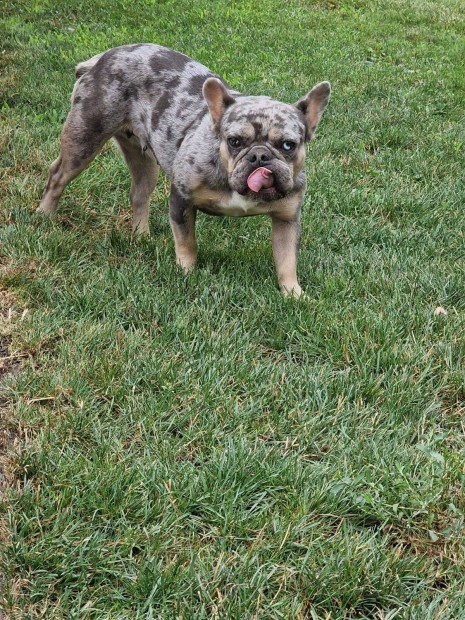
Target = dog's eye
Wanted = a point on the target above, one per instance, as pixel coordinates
(234, 142)
(288, 146)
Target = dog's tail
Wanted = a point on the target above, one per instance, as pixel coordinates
(84, 67)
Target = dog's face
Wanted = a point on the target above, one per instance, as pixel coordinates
(262, 141)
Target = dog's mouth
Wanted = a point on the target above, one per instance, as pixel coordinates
(260, 179)
(261, 185)
(271, 181)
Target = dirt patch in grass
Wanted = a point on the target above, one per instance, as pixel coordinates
(10, 363)
(10, 367)
(10, 431)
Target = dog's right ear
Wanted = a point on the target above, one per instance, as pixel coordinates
(217, 98)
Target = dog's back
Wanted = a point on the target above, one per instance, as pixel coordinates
(151, 91)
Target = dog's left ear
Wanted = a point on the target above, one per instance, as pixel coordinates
(313, 105)
(217, 98)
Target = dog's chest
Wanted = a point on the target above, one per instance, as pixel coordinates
(237, 205)
(228, 203)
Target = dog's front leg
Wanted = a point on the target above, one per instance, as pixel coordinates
(182, 221)
(285, 236)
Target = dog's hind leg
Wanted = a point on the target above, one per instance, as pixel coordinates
(144, 172)
(79, 146)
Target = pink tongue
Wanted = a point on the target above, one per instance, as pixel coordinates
(260, 178)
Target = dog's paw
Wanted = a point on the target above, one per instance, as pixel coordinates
(293, 290)
(45, 209)
(187, 263)
(141, 233)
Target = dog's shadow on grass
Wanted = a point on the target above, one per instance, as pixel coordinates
(227, 249)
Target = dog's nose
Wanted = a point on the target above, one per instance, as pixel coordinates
(259, 155)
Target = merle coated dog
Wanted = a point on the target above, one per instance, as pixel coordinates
(225, 153)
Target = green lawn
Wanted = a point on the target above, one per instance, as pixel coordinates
(200, 447)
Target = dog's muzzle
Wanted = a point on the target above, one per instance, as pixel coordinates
(261, 176)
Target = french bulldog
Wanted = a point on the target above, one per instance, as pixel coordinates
(225, 153)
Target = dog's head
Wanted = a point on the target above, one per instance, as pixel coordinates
(262, 141)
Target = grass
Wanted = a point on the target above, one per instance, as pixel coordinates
(201, 447)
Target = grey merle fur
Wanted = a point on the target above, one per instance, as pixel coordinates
(165, 109)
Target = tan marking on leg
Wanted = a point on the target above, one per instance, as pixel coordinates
(184, 242)
(285, 237)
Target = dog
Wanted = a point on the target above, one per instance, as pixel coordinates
(225, 153)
